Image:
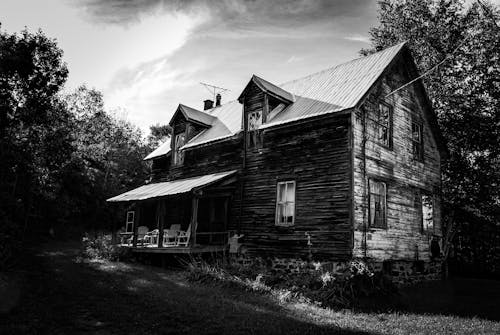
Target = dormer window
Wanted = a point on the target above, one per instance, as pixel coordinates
(178, 155)
(254, 120)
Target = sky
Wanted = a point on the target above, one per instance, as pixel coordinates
(147, 56)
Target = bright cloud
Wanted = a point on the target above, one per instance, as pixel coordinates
(148, 56)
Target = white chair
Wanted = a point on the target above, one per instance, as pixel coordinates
(141, 233)
(151, 237)
(183, 237)
(170, 235)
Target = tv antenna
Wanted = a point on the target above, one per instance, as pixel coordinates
(214, 90)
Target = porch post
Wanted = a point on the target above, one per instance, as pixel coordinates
(137, 222)
(161, 219)
(194, 218)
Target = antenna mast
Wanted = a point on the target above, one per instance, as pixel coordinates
(214, 90)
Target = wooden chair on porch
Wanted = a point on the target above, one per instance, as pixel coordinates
(183, 237)
(151, 237)
(141, 233)
(170, 235)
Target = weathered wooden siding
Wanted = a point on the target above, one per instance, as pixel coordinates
(316, 155)
(403, 174)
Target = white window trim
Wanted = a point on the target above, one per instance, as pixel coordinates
(278, 203)
(248, 120)
(129, 222)
(176, 152)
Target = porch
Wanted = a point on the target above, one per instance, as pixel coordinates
(183, 216)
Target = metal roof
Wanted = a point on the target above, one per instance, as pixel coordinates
(332, 90)
(163, 149)
(227, 123)
(192, 114)
(173, 187)
(335, 89)
(270, 88)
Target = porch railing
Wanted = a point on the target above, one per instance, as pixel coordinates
(202, 238)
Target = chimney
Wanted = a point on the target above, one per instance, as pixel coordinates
(209, 104)
(217, 100)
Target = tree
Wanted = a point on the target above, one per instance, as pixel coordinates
(107, 159)
(34, 137)
(158, 135)
(465, 92)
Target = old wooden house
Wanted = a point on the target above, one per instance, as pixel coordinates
(342, 163)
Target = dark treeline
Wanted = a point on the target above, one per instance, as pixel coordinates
(61, 155)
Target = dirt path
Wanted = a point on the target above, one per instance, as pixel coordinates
(60, 295)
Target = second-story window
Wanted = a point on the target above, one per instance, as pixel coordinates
(254, 122)
(417, 141)
(383, 123)
(178, 155)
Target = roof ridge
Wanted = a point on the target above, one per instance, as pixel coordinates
(399, 45)
(209, 111)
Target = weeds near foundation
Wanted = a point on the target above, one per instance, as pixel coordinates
(342, 289)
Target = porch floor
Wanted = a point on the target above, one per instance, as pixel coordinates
(197, 249)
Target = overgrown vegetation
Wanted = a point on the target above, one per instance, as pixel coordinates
(343, 289)
(101, 246)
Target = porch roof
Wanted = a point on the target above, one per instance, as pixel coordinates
(173, 187)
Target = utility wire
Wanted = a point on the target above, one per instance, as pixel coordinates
(430, 70)
(448, 56)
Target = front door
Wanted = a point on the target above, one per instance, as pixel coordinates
(212, 220)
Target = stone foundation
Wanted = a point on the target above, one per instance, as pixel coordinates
(402, 272)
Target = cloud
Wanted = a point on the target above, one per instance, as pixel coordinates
(222, 42)
(358, 38)
(239, 14)
(294, 59)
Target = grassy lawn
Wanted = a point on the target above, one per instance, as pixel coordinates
(52, 293)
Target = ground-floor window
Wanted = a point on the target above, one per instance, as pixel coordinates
(427, 214)
(378, 204)
(285, 203)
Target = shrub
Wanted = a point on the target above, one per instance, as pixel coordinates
(343, 289)
(101, 246)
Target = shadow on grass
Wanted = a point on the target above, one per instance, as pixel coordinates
(61, 296)
(463, 297)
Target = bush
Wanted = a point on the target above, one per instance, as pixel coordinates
(345, 289)
(101, 246)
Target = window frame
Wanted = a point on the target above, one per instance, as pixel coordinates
(127, 221)
(379, 124)
(425, 229)
(248, 120)
(279, 203)
(177, 155)
(420, 143)
(370, 197)
(253, 140)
